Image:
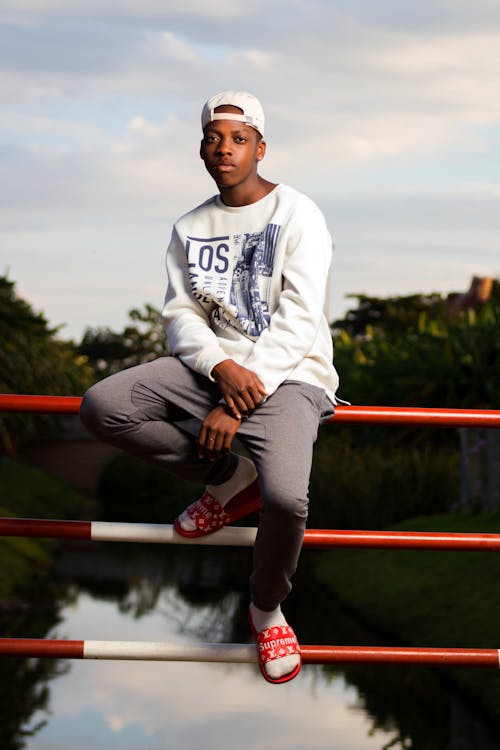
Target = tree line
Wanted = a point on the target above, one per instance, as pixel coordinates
(414, 350)
(393, 351)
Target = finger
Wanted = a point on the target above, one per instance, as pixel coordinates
(262, 390)
(228, 439)
(244, 402)
(218, 444)
(202, 442)
(209, 444)
(259, 385)
(212, 449)
(232, 407)
(256, 395)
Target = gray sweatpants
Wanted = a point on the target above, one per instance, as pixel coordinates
(155, 411)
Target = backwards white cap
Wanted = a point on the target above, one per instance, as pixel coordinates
(251, 109)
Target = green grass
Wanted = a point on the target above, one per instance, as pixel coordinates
(423, 598)
(27, 492)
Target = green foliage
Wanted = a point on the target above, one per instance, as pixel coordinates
(33, 360)
(20, 557)
(28, 492)
(24, 683)
(418, 355)
(30, 598)
(128, 484)
(142, 341)
(441, 599)
(391, 314)
(395, 352)
(369, 478)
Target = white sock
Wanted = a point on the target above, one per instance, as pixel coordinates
(244, 475)
(262, 620)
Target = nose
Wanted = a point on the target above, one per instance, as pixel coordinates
(224, 146)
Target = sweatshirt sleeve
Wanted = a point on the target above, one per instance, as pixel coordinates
(295, 324)
(186, 322)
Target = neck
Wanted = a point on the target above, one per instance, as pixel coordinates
(244, 195)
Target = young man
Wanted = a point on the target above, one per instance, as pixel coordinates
(251, 355)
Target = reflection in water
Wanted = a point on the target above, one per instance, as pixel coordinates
(128, 592)
(154, 705)
(24, 683)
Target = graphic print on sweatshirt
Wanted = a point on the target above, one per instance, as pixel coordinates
(234, 272)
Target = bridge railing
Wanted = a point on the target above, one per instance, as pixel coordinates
(245, 536)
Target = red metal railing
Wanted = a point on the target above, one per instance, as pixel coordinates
(245, 536)
(347, 414)
(11, 402)
(242, 653)
(105, 531)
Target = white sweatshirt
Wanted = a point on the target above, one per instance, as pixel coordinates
(249, 283)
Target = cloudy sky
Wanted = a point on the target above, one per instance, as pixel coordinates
(387, 114)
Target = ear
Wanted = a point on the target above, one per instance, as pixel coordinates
(261, 150)
(201, 149)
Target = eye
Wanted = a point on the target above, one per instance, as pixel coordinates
(210, 139)
(240, 139)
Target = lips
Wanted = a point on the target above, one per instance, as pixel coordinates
(224, 167)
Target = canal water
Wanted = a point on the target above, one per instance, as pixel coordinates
(191, 595)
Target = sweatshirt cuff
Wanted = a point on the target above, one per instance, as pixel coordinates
(209, 358)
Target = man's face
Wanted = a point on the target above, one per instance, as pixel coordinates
(231, 150)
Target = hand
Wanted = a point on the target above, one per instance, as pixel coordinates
(217, 432)
(241, 389)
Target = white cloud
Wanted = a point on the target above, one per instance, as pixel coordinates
(456, 71)
(168, 47)
(232, 9)
(30, 128)
(187, 704)
(258, 58)
(100, 131)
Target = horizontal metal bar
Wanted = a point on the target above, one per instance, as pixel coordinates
(46, 528)
(343, 414)
(108, 531)
(11, 402)
(41, 647)
(451, 657)
(244, 536)
(432, 417)
(244, 653)
(422, 540)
